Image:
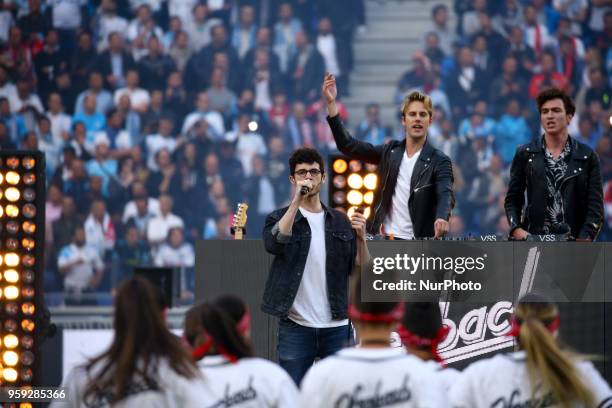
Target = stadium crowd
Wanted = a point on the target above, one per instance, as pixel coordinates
(158, 117)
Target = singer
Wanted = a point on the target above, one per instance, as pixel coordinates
(561, 176)
(415, 196)
(315, 249)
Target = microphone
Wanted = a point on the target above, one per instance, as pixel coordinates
(304, 190)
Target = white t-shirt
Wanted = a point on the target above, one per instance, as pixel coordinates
(447, 376)
(250, 382)
(157, 230)
(249, 145)
(398, 221)
(155, 143)
(175, 390)
(139, 97)
(130, 209)
(311, 305)
(365, 377)
(79, 276)
(503, 381)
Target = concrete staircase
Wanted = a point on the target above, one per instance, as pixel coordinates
(395, 30)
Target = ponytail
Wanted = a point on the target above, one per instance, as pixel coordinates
(219, 335)
(535, 325)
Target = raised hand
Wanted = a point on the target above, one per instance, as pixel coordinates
(329, 90)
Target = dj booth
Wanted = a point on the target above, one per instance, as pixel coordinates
(577, 276)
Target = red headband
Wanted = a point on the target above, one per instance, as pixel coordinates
(516, 326)
(243, 326)
(395, 315)
(414, 340)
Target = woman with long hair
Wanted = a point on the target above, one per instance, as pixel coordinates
(145, 365)
(218, 333)
(539, 374)
(421, 333)
(373, 374)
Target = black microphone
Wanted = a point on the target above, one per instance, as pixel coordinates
(304, 190)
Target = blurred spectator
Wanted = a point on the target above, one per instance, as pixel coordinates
(6, 21)
(99, 229)
(198, 27)
(141, 29)
(511, 131)
(549, 77)
(155, 67)
(26, 98)
(5, 139)
(587, 133)
(441, 27)
(248, 143)
(175, 251)
(82, 57)
(7, 87)
(141, 208)
(14, 123)
(132, 251)
(263, 42)
(180, 50)
(60, 122)
(300, 131)
(159, 180)
(64, 226)
(507, 85)
(119, 138)
(16, 56)
(104, 99)
(79, 142)
(81, 267)
(447, 142)
(483, 59)
(328, 47)
(115, 62)
(30, 141)
(419, 76)
(574, 10)
(220, 97)
(286, 31)
(243, 34)
(163, 139)
(213, 118)
(232, 74)
(66, 18)
(370, 129)
(48, 144)
(48, 63)
(599, 90)
(175, 96)
(279, 111)
(232, 172)
(106, 22)
(537, 35)
(77, 186)
(155, 112)
(133, 123)
(93, 120)
(34, 23)
(139, 97)
(158, 227)
(471, 22)
(497, 45)
(465, 84)
(278, 169)
(510, 16)
(317, 112)
(569, 65)
(102, 165)
(524, 55)
(433, 51)
(262, 78)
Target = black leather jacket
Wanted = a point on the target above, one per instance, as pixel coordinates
(581, 190)
(431, 186)
(290, 253)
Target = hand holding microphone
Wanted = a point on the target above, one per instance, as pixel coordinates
(302, 188)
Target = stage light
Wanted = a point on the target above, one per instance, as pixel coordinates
(368, 198)
(369, 181)
(355, 166)
(366, 212)
(339, 182)
(10, 341)
(12, 178)
(12, 194)
(339, 166)
(354, 197)
(9, 375)
(22, 195)
(339, 197)
(10, 358)
(11, 259)
(355, 181)
(11, 276)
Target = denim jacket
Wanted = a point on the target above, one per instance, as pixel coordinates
(291, 252)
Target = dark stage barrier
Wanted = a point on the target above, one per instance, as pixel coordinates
(571, 273)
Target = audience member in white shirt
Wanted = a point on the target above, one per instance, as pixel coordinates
(80, 264)
(139, 97)
(248, 144)
(157, 230)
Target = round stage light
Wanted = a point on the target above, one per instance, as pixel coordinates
(11, 259)
(354, 197)
(12, 177)
(27, 292)
(28, 308)
(28, 162)
(27, 358)
(29, 227)
(11, 341)
(351, 211)
(10, 358)
(368, 197)
(29, 260)
(29, 179)
(12, 194)
(340, 166)
(11, 292)
(9, 374)
(29, 210)
(355, 181)
(12, 244)
(11, 308)
(28, 243)
(371, 167)
(10, 326)
(27, 325)
(27, 276)
(26, 375)
(27, 342)
(12, 227)
(12, 162)
(339, 181)
(11, 276)
(370, 181)
(339, 197)
(29, 194)
(355, 166)
(12, 210)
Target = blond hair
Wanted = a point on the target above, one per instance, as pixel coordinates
(545, 359)
(417, 96)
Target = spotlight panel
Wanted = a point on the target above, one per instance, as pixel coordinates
(353, 184)
(22, 212)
